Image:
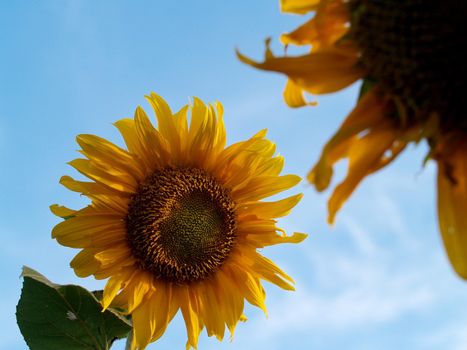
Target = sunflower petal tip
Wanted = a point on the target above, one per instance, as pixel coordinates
(61, 212)
(245, 59)
(300, 236)
(104, 307)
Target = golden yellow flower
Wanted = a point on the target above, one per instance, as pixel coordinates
(176, 220)
(409, 56)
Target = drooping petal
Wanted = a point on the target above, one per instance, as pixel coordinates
(250, 287)
(161, 301)
(84, 263)
(141, 285)
(294, 95)
(115, 284)
(189, 308)
(364, 153)
(264, 268)
(118, 255)
(143, 325)
(368, 114)
(211, 309)
(325, 71)
(452, 206)
(232, 300)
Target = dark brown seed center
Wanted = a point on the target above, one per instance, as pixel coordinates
(181, 225)
(414, 50)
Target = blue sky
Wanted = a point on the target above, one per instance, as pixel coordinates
(378, 279)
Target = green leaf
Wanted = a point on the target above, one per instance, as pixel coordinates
(56, 317)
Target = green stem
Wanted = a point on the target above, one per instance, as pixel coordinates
(129, 340)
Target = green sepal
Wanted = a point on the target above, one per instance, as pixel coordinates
(366, 86)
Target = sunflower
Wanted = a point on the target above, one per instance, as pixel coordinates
(176, 220)
(407, 55)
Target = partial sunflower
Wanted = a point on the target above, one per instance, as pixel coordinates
(408, 55)
(176, 220)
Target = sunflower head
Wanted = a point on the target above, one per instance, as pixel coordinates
(409, 57)
(181, 224)
(176, 218)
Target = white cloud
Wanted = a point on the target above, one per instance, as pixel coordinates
(451, 337)
(363, 293)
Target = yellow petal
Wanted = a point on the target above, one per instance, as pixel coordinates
(102, 151)
(181, 123)
(261, 240)
(303, 35)
(250, 287)
(211, 309)
(103, 177)
(86, 188)
(127, 128)
(264, 268)
(330, 23)
(84, 264)
(166, 122)
(143, 325)
(119, 254)
(319, 72)
(205, 135)
(452, 206)
(161, 300)
(76, 231)
(190, 313)
(299, 6)
(262, 187)
(364, 154)
(114, 285)
(232, 301)
(271, 209)
(109, 237)
(155, 147)
(220, 138)
(294, 95)
(248, 159)
(61, 211)
(198, 122)
(368, 114)
(105, 200)
(140, 285)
